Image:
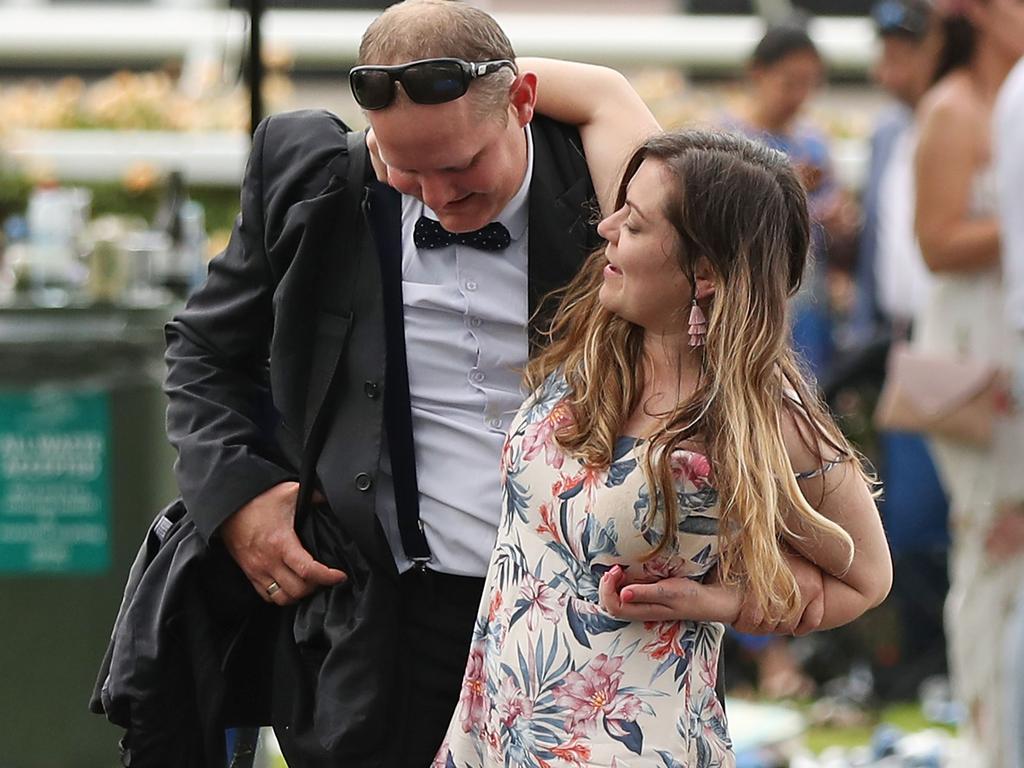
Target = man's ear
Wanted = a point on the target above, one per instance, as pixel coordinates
(705, 278)
(522, 97)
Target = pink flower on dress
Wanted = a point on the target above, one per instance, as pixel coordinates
(544, 601)
(548, 524)
(441, 758)
(542, 435)
(573, 753)
(594, 692)
(495, 606)
(663, 567)
(693, 467)
(511, 704)
(667, 642)
(472, 701)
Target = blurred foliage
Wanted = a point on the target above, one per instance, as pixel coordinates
(220, 203)
(14, 189)
(143, 101)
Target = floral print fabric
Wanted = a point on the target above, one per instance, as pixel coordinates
(552, 681)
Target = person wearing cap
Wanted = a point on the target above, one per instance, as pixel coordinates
(488, 209)
(892, 282)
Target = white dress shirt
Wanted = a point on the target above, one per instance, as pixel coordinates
(466, 315)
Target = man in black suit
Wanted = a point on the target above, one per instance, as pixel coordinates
(415, 346)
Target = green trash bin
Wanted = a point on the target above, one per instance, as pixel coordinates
(84, 467)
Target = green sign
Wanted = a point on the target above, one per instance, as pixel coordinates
(54, 482)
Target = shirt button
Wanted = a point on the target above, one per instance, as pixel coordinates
(364, 482)
(476, 322)
(496, 423)
(471, 285)
(478, 376)
(372, 389)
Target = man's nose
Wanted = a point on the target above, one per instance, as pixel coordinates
(436, 192)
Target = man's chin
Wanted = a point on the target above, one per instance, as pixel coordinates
(466, 216)
(463, 222)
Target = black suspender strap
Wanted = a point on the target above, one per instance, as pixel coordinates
(384, 211)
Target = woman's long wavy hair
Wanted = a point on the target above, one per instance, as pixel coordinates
(741, 206)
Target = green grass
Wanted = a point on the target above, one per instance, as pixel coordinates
(907, 717)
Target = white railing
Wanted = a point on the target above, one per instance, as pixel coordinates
(94, 34)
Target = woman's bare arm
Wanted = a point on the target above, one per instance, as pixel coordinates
(611, 116)
(949, 152)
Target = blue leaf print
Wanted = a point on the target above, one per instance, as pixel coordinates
(699, 525)
(511, 564)
(449, 761)
(598, 570)
(525, 669)
(668, 760)
(600, 540)
(664, 666)
(702, 556)
(579, 629)
(627, 732)
(618, 472)
(703, 753)
(624, 445)
(569, 493)
(522, 606)
(584, 623)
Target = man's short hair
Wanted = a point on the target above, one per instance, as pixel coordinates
(427, 29)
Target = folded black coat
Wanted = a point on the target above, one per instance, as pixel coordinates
(189, 654)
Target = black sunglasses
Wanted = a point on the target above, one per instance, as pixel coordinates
(427, 81)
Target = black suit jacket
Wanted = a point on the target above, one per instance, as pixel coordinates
(250, 358)
(262, 343)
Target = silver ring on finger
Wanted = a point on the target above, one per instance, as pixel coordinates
(273, 588)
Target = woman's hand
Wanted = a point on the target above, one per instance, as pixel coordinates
(671, 599)
(810, 582)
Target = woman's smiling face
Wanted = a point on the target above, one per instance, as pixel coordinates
(643, 282)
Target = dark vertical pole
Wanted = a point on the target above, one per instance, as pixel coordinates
(255, 68)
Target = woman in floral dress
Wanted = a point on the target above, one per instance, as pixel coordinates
(660, 474)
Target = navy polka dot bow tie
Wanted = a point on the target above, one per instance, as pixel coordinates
(429, 233)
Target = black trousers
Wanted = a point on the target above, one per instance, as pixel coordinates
(438, 611)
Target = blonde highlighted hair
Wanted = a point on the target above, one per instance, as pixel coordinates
(740, 206)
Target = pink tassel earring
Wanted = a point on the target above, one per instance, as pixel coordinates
(698, 325)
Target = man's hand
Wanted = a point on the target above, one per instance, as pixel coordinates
(670, 599)
(261, 538)
(811, 584)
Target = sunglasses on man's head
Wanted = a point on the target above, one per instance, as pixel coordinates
(427, 81)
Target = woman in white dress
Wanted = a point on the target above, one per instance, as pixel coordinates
(959, 237)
